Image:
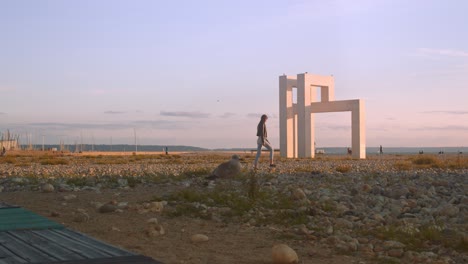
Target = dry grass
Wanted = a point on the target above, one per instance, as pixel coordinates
(457, 161)
(343, 168)
(417, 238)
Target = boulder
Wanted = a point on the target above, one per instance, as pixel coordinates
(283, 254)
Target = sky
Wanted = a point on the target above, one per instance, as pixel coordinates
(201, 73)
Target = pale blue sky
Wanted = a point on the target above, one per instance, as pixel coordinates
(202, 72)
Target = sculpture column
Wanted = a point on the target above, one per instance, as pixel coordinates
(286, 116)
(305, 119)
(358, 130)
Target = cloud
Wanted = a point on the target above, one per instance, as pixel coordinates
(157, 124)
(447, 112)
(195, 114)
(2, 113)
(161, 124)
(443, 52)
(114, 112)
(74, 126)
(227, 115)
(445, 128)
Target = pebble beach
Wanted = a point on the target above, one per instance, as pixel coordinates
(384, 209)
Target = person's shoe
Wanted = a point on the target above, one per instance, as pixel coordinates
(272, 165)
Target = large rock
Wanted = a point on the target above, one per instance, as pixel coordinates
(227, 169)
(47, 187)
(283, 254)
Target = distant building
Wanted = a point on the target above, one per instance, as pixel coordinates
(9, 144)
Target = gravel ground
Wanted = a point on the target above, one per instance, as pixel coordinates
(385, 209)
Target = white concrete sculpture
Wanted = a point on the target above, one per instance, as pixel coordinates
(297, 128)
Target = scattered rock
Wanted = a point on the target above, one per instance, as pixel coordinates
(298, 194)
(55, 214)
(107, 208)
(69, 197)
(153, 220)
(80, 217)
(155, 230)
(47, 187)
(283, 254)
(156, 207)
(199, 238)
(228, 169)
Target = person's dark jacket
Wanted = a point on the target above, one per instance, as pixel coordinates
(262, 131)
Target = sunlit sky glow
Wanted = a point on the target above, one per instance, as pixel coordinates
(201, 73)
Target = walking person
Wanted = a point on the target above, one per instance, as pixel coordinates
(263, 141)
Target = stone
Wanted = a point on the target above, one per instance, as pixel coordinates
(122, 182)
(366, 250)
(47, 187)
(156, 207)
(107, 208)
(389, 244)
(366, 188)
(448, 210)
(199, 238)
(283, 254)
(396, 252)
(80, 217)
(55, 214)
(122, 205)
(153, 220)
(343, 223)
(155, 230)
(69, 197)
(298, 194)
(228, 169)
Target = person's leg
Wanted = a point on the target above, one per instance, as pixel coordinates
(270, 148)
(259, 152)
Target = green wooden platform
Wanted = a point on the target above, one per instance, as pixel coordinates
(26, 237)
(20, 218)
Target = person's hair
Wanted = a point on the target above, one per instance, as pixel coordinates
(263, 118)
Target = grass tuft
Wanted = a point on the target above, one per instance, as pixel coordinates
(343, 168)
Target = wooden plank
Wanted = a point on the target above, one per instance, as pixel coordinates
(6, 256)
(20, 218)
(84, 249)
(4, 205)
(43, 244)
(104, 247)
(23, 250)
(126, 259)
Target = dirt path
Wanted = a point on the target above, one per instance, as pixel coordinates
(228, 243)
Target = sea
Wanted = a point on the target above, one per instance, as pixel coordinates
(182, 148)
(401, 150)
